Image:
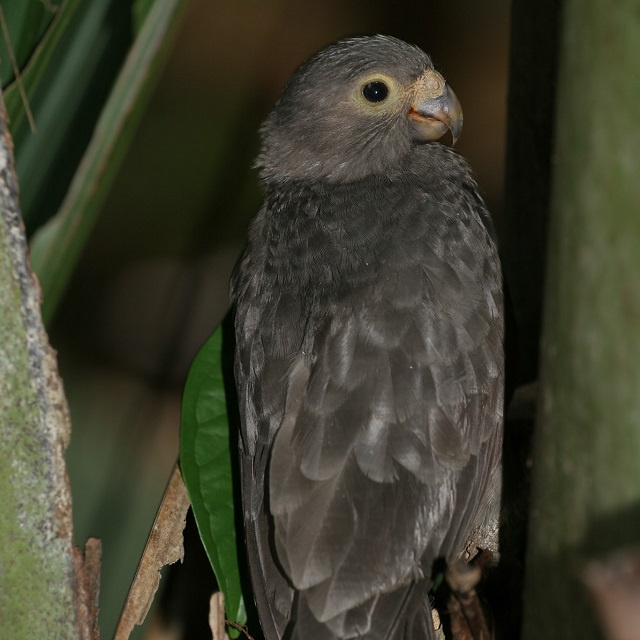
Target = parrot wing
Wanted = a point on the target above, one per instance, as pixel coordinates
(391, 427)
(380, 437)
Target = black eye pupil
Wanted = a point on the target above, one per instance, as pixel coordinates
(375, 91)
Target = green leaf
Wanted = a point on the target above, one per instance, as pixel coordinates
(205, 460)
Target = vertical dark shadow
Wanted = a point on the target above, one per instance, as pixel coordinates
(530, 135)
(530, 139)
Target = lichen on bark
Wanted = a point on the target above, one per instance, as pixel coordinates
(37, 571)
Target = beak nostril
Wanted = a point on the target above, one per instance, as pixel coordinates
(434, 84)
(431, 84)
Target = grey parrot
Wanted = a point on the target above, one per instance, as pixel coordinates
(369, 349)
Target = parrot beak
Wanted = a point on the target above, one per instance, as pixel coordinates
(435, 109)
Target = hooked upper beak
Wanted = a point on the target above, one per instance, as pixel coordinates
(434, 109)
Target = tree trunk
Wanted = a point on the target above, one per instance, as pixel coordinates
(586, 483)
(44, 589)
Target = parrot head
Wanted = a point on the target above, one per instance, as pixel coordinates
(356, 109)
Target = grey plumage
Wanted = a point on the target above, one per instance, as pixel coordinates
(369, 360)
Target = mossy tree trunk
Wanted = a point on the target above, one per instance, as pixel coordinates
(586, 482)
(44, 590)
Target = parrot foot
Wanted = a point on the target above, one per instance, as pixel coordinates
(468, 618)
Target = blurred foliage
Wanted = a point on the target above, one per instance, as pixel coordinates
(67, 79)
(56, 102)
(56, 248)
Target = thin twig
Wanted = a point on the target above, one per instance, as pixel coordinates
(16, 71)
(164, 547)
(242, 629)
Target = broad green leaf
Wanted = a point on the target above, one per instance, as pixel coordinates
(57, 246)
(205, 460)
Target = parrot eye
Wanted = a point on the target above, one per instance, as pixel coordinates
(375, 91)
